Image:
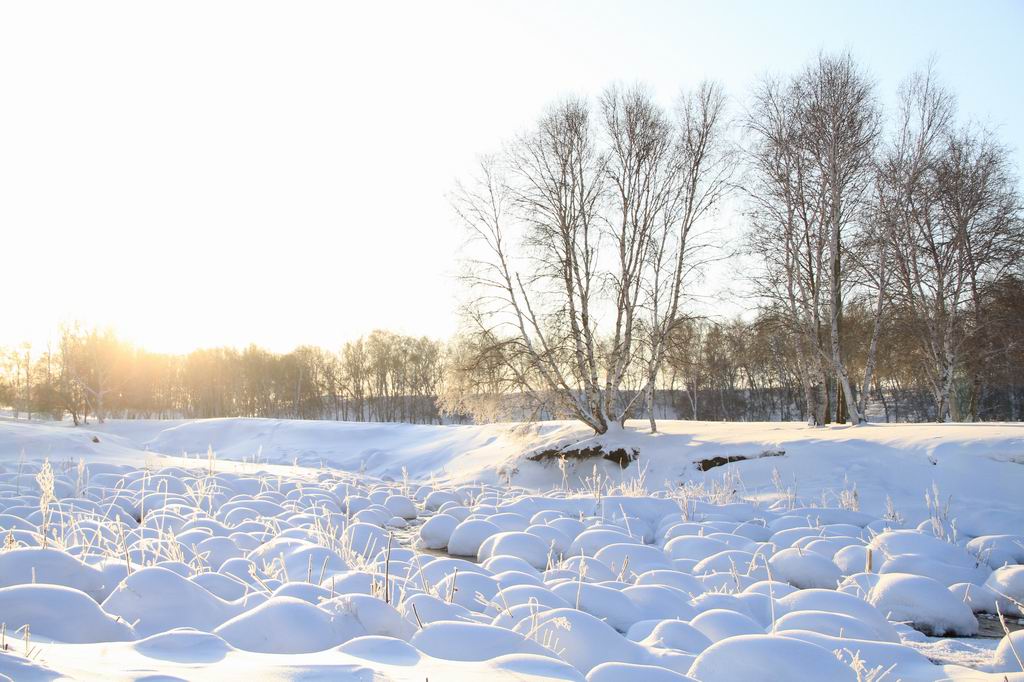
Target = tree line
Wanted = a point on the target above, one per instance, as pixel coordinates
(91, 373)
(882, 250)
(732, 370)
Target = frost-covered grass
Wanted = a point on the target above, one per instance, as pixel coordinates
(786, 568)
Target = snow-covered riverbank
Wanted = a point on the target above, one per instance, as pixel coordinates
(230, 549)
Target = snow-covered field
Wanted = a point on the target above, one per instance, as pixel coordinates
(268, 549)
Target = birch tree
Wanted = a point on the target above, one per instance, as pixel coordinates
(581, 231)
(788, 230)
(814, 141)
(842, 125)
(548, 192)
(701, 168)
(957, 228)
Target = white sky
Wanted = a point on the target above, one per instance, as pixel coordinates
(206, 173)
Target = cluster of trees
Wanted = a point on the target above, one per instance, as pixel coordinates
(733, 370)
(884, 252)
(750, 371)
(918, 220)
(584, 238)
(93, 373)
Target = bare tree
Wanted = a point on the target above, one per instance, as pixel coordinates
(553, 185)
(573, 227)
(90, 368)
(788, 230)
(700, 167)
(813, 159)
(958, 228)
(926, 113)
(842, 125)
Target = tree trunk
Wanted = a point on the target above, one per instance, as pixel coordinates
(821, 411)
(650, 405)
(842, 413)
(845, 401)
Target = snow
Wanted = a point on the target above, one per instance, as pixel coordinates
(282, 625)
(841, 603)
(924, 603)
(694, 548)
(527, 547)
(660, 601)
(972, 460)
(719, 624)
(292, 549)
(583, 640)
(633, 558)
(472, 642)
(184, 645)
(998, 550)
(608, 604)
(672, 634)
(36, 564)
(628, 672)
(60, 613)
(467, 537)
(768, 659)
(437, 531)
(885, 660)
(804, 569)
(1009, 654)
(152, 597)
(826, 623)
(1007, 583)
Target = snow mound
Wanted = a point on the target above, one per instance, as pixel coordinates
(769, 658)
(467, 537)
(660, 602)
(157, 600)
(184, 645)
(51, 566)
(826, 623)
(472, 642)
(1009, 654)
(60, 613)
(939, 571)
(998, 550)
(582, 640)
(1007, 583)
(923, 603)
(672, 634)
(894, 543)
(532, 666)
(359, 615)
(631, 672)
(382, 649)
(520, 544)
(804, 569)
(606, 603)
(841, 603)
(437, 531)
(720, 624)
(282, 625)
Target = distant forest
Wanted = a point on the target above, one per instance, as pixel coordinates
(883, 251)
(737, 370)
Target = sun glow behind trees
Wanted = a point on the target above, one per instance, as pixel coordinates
(880, 251)
(210, 174)
(276, 187)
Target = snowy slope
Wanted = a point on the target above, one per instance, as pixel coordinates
(975, 467)
(319, 550)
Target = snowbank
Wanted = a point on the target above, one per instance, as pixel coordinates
(207, 566)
